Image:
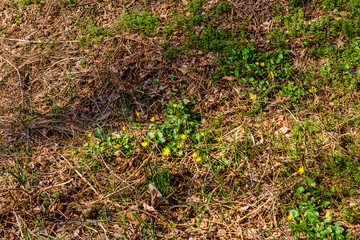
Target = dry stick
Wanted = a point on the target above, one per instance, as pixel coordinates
(57, 185)
(255, 211)
(18, 73)
(19, 224)
(77, 172)
(111, 171)
(38, 41)
(96, 223)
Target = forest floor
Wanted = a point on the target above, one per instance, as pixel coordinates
(174, 119)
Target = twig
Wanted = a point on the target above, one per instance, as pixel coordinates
(18, 73)
(35, 41)
(81, 176)
(54, 186)
(111, 171)
(19, 224)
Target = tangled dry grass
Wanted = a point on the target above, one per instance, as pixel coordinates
(56, 88)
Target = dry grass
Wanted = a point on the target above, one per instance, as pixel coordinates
(55, 90)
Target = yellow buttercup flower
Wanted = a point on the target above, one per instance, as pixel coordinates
(301, 170)
(262, 64)
(179, 145)
(144, 144)
(152, 119)
(312, 89)
(174, 105)
(117, 145)
(73, 153)
(79, 150)
(183, 136)
(124, 128)
(256, 63)
(253, 97)
(202, 134)
(89, 135)
(290, 217)
(198, 159)
(166, 152)
(328, 215)
(220, 139)
(272, 74)
(195, 155)
(138, 114)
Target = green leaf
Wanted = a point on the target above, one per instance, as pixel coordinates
(150, 135)
(237, 73)
(159, 134)
(311, 216)
(294, 213)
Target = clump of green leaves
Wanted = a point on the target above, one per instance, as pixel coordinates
(90, 32)
(160, 176)
(175, 130)
(268, 73)
(23, 3)
(308, 221)
(106, 146)
(221, 7)
(144, 22)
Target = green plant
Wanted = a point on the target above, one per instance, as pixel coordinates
(159, 175)
(23, 3)
(221, 7)
(177, 127)
(144, 22)
(91, 33)
(308, 221)
(23, 174)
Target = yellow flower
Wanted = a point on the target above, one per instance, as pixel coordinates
(253, 97)
(144, 144)
(166, 152)
(198, 159)
(179, 145)
(73, 153)
(174, 105)
(89, 135)
(195, 155)
(301, 221)
(79, 149)
(301, 170)
(262, 64)
(312, 89)
(124, 128)
(101, 149)
(328, 215)
(97, 143)
(152, 119)
(183, 136)
(272, 74)
(256, 63)
(289, 217)
(113, 137)
(202, 134)
(220, 139)
(117, 145)
(138, 114)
